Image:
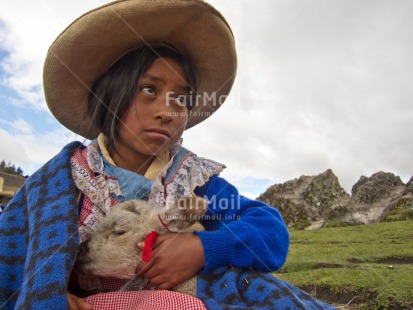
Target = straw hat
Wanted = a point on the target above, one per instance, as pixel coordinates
(88, 46)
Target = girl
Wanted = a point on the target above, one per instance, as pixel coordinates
(132, 76)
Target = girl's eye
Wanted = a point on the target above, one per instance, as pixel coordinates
(181, 100)
(149, 90)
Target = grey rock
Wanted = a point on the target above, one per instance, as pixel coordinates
(308, 198)
(312, 201)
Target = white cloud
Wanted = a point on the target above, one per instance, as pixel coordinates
(29, 150)
(21, 126)
(27, 29)
(324, 85)
(249, 194)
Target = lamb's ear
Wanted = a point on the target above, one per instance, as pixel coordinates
(134, 206)
(192, 206)
(184, 212)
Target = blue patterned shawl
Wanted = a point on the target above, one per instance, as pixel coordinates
(39, 238)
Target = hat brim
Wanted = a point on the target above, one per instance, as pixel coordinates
(88, 46)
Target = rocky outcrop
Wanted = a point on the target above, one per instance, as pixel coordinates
(308, 198)
(314, 200)
(372, 198)
(409, 187)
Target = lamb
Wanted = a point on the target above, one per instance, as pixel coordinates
(111, 249)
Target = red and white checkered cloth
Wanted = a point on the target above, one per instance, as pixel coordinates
(145, 300)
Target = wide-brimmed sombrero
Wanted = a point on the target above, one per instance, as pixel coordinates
(88, 46)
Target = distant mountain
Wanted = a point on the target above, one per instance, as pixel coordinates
(315, 200)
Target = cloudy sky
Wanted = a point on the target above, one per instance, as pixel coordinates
(321, 84)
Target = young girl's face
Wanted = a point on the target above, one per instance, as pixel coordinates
(157, 116)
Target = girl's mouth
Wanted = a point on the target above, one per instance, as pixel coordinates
(158, 132)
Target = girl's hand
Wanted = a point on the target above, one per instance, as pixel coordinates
(176, 257)
(76, 303)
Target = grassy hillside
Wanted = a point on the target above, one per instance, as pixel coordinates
(362, 267)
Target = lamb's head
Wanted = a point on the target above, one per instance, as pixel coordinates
(111, 251)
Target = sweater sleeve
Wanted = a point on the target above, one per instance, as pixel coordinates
(239, 231)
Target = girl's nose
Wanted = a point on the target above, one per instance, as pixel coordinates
(163, 110)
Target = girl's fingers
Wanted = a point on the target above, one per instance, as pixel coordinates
(159, 281)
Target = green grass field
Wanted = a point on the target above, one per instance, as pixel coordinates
(361, 267)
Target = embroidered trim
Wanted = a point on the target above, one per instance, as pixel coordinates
(88, 175)
(191, 172)
(178, 168)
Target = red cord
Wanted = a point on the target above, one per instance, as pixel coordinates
(163, 223)
(149, 241)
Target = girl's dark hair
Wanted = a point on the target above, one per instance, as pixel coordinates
(112, 94)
